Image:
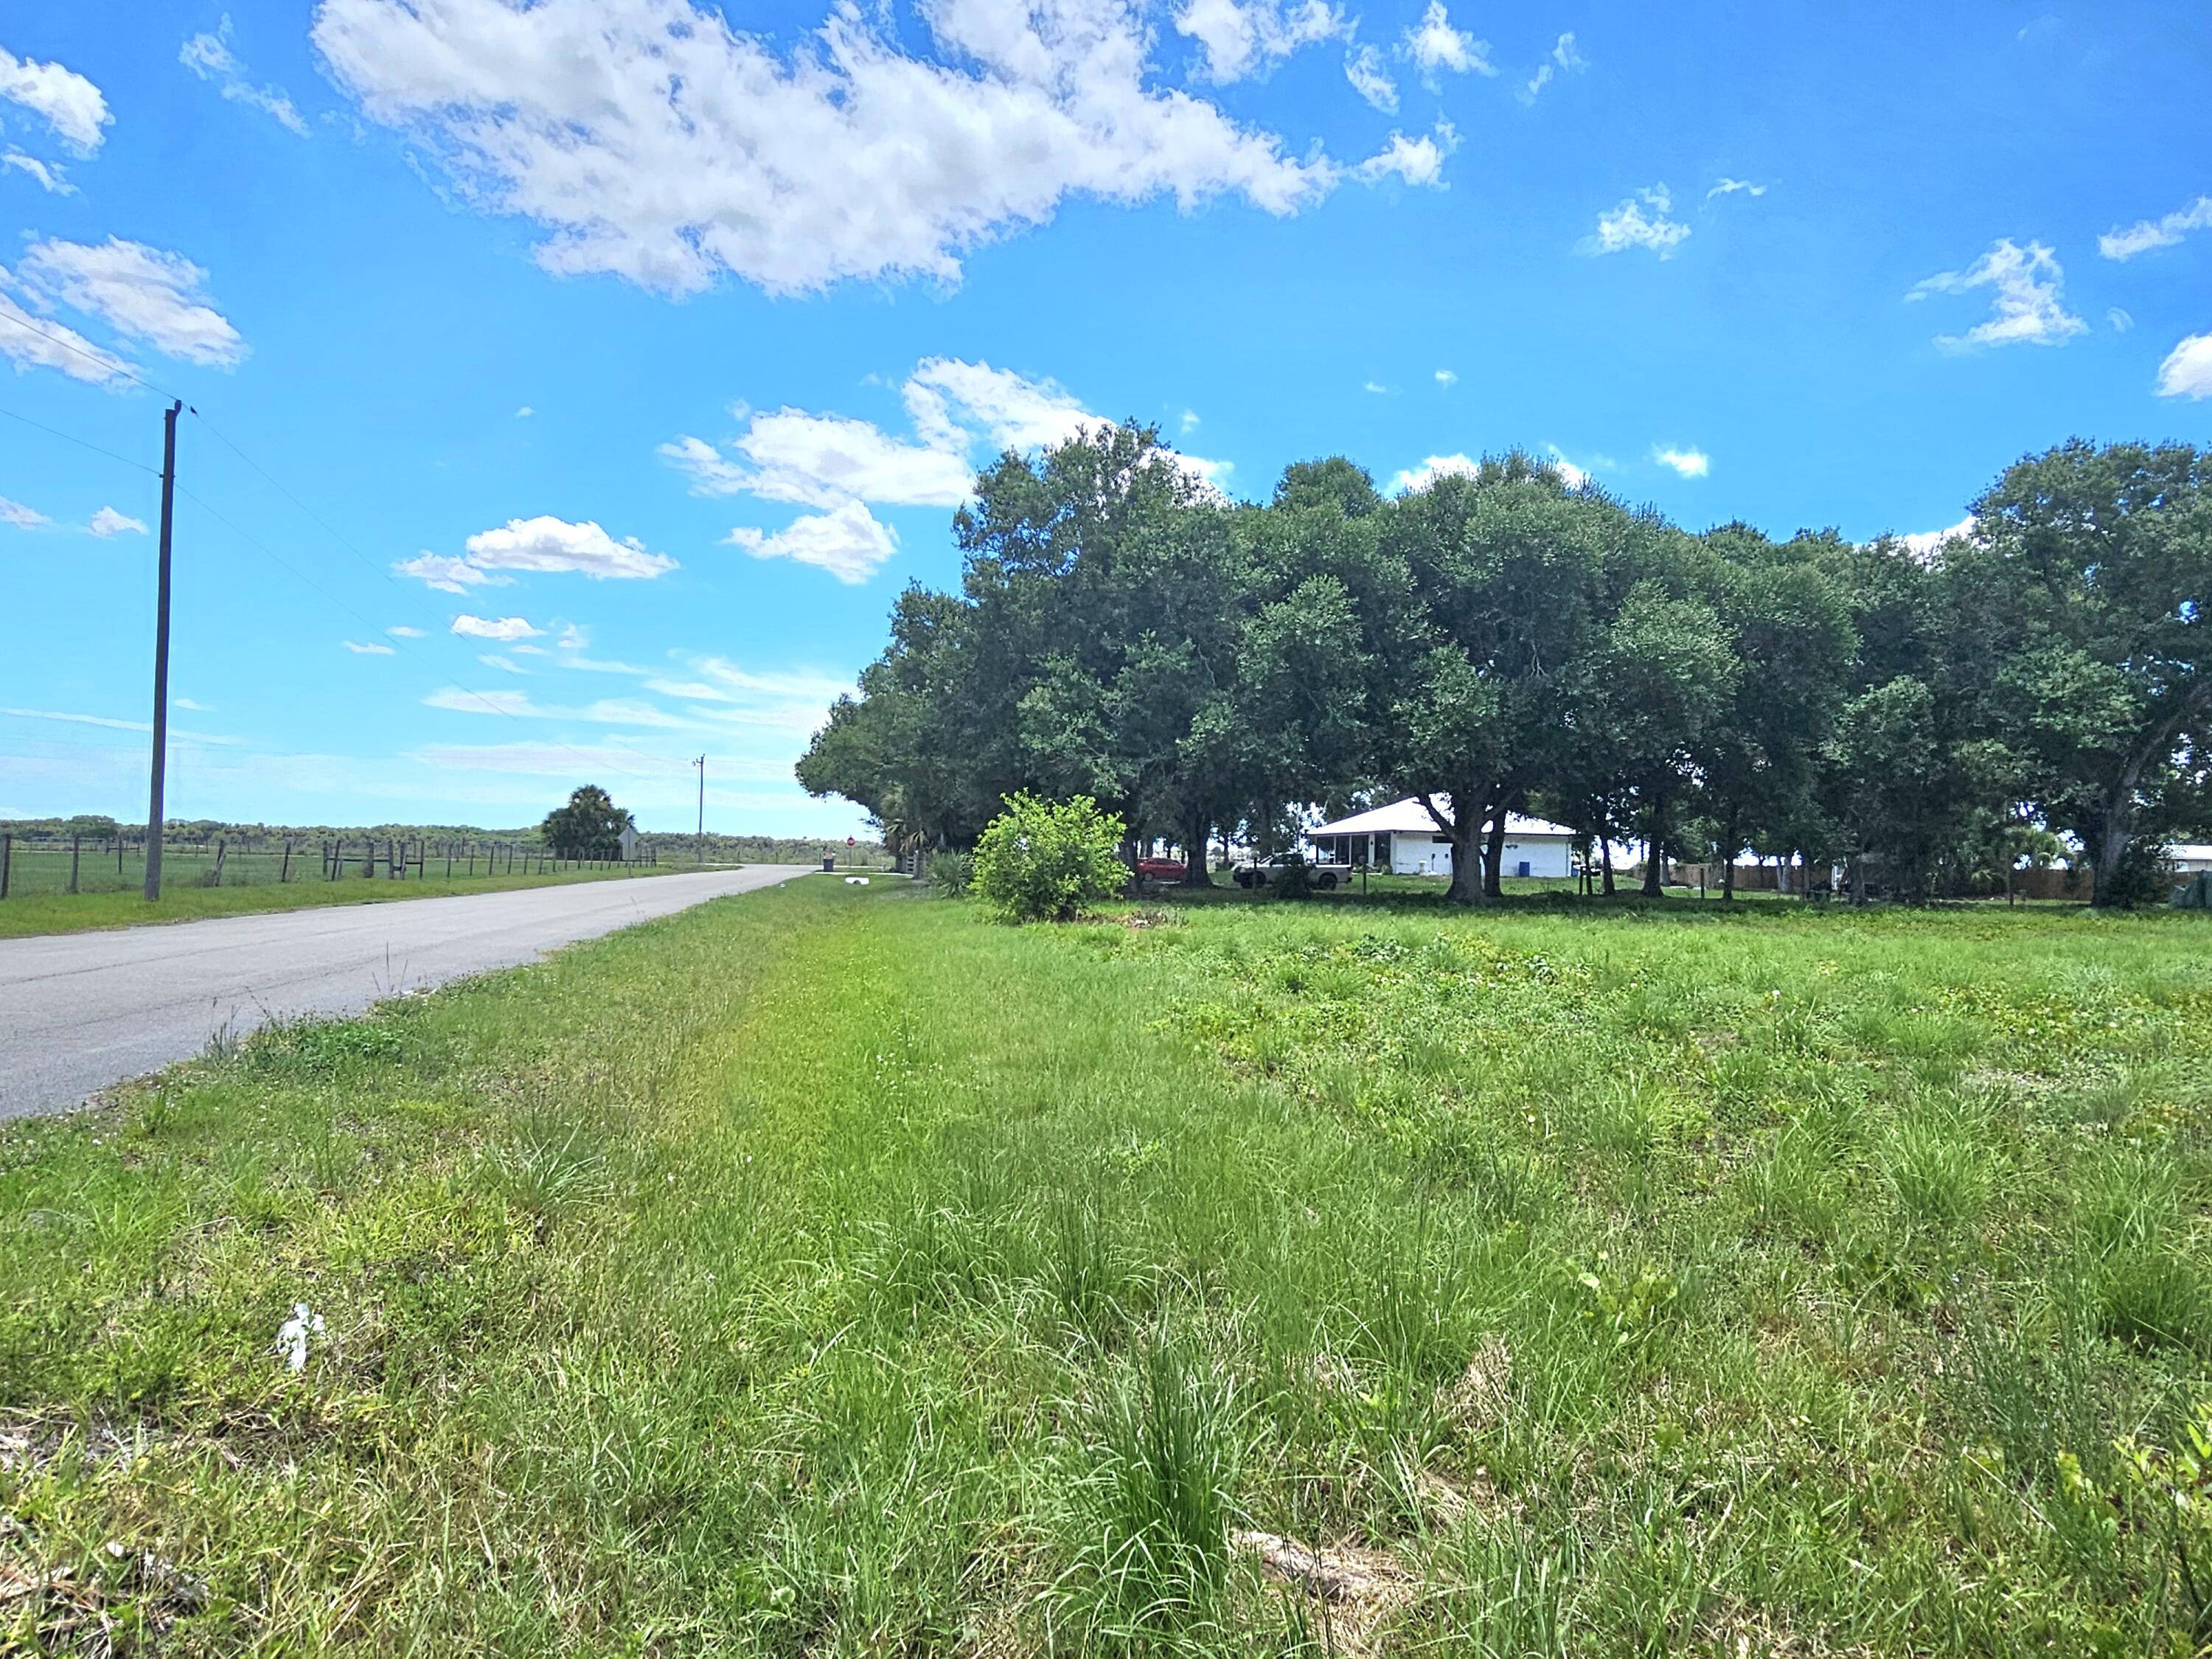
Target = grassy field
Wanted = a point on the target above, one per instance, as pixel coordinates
(51, 911)
(830, 1272)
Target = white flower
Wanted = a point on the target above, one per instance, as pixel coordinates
(292, 1336)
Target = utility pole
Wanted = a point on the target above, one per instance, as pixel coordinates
(699, 848)
(155, 816)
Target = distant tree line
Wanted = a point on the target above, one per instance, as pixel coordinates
(1502, 641)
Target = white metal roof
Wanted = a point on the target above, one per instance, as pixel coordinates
(1409, 817)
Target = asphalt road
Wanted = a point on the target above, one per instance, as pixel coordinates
(80, 1012)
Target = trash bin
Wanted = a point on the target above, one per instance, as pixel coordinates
(829, 861)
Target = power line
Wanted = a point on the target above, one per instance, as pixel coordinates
(111, 365)
(82, 443)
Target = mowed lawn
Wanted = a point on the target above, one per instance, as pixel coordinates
(829, 1271)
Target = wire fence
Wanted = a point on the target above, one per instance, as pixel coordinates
(113, 864)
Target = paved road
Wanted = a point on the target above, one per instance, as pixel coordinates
(81, 1011)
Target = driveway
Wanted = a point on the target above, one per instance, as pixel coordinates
(82, 1011)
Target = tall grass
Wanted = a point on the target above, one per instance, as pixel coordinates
(825, 1272)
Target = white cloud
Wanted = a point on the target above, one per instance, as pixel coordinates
(1374, 386)
(1435, 467)
(404, 632)
(2187, 370)
(371, 649)
(448, 574)
(1189, 420)
(1363, 67)
(524, 412)
(1435, 44)
(547, 544)
(655, 142)
(839, 465)
(143, 292)
(2029, 308)
(1446, 378)
(40, 342)
(64, 99)
(498, 627)
(847, 542)
(186, 702)
(1730, 186)
(108, 522)
(1567, 58)
(50, 176)
(209, 56)
(1571, 475)
(1416, 160)
(2120, 320)
(1923, 543)
(19, 517)
(2148, 234)
(1691, 463)
(115, 725)
(518, 704)
(505, 664)
(1245, 37)
(1629, 226)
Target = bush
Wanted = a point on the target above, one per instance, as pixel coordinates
(1042, 861)
(950, 872)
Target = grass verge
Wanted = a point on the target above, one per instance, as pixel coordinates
(829, 1271)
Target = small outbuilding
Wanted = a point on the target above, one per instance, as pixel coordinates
(2189, 856)
(1403, 839)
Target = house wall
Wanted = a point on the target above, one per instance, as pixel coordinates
(1417, 856)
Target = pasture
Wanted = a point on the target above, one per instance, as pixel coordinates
(829, 1271)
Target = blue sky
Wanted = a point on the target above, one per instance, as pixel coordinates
(578, 382)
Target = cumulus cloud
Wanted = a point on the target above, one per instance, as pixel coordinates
(62, 99)
(30, 342)
(1239, 37)
(140, 291)
(50, 175)
(1923, 543)
(542, 546)
(2163, 232)
(108, 522)
(1435, 467)
(1630, 225)
(495, 627)
(839, 466)
(19, 517)
(1435, 44)
(1571, 475)
(1416, 160)
(209, 56)
(2187, 370)
(1566, 59)
(2026, 306)
(1446, 378)
(1364, 68)
(371, 649)
(653, 141)
(847, 542)
(1690, 463)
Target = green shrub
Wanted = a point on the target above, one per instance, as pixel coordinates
(1042, 861)
(951, 873)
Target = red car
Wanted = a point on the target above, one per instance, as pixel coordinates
(1160, 869)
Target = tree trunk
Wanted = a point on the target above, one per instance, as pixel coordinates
(1493, 858)
(1195, 835)
(1605, 861)
(2112, 849)
(1727, 870)
(1464, 827)
(1655, 852)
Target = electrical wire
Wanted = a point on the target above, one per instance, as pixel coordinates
(82, 443)
(113, 366)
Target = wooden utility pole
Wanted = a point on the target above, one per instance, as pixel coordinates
(699, 849)
(154, 810)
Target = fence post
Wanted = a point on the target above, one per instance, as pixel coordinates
(220, 846)
(7, 857)
(284, 870)
(73, 858)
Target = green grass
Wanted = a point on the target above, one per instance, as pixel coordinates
(829, 1271)
(54, 912)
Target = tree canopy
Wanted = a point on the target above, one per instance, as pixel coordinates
(1506, 639)
(589, 827)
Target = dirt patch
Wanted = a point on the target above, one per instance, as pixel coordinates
(1359, 1590)
(1484, 1393)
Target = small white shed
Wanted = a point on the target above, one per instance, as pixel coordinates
(1403, 839)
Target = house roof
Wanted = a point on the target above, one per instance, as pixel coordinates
(1409, 817)
(2195, 851)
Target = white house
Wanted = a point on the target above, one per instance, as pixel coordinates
(2189, 856)
(1403, 839)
